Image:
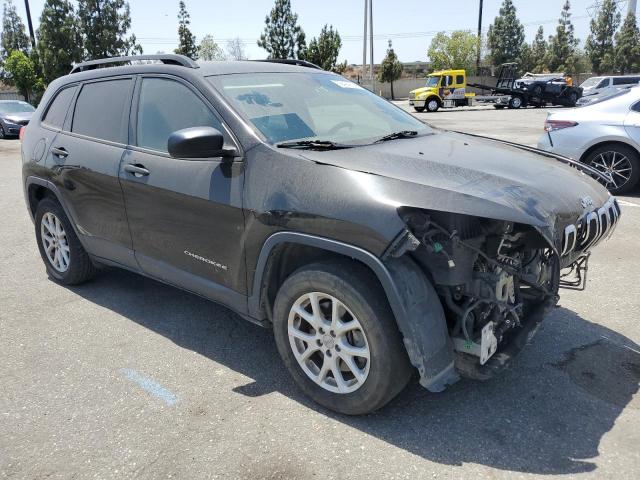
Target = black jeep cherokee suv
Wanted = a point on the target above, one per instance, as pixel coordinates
(371, 243)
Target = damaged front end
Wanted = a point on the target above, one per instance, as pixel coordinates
(495, 280)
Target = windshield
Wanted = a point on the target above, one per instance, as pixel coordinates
(432, 81)
(590, 82)
(15, 107)
(322, 106)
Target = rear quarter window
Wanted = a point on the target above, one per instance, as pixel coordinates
(57, 109)
(626, 80)
(102, 110)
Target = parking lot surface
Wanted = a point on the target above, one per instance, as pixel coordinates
(124, 377)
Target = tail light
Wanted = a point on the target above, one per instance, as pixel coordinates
(551, 125)
(21, 133)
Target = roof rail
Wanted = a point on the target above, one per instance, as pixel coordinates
(168, 59)
(291, 61)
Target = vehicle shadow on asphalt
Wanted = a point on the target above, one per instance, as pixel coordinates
(544, 415)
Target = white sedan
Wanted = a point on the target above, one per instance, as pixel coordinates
(604, 134)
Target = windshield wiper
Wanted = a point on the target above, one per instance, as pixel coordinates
(319, 144)
(396, 135)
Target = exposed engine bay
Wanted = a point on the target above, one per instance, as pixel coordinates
(488, 274)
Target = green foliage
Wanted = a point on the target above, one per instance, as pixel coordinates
(599, 46)
(104, 25)
(456, 51)
(539, 52)
(282, 37)
(235, 49)
(22, 73)
(627, 51)
(562, 45)
(59, 41)
(209, 50)
(505, 35)
(324, 50)
(13, 35)
(390, 68)
(527, 61)
(186, 39)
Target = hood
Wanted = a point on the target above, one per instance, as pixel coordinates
(420, 90)
(18, 117)
(476, 176)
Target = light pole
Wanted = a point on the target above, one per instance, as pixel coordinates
(31, 35)
(479, 38)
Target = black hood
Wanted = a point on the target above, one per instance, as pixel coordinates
(507, 182)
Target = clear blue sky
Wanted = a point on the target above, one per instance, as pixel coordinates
(410, 23)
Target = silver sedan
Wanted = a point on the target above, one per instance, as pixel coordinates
(604, 134)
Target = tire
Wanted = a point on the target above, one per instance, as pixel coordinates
(433, 104)
(419, 109)
(2, 133)
(516, 102)
(346, 283)
(78, 267)
(608, 155)
(498, 107)
(573, 98)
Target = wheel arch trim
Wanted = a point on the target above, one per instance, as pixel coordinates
(33, 180)
(422, 323)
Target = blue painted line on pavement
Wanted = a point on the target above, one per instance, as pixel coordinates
(150, 386)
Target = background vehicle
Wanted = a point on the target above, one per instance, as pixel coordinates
(595, 88)
(370, 243)
(604, 134)
(445, 88)
(14, 114)
(531, 89)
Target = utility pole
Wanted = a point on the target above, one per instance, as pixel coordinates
(364, 40)
(479, 39)
(31, 35)
(632, 4)
(371, 43)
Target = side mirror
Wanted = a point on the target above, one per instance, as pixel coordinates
(198, 142)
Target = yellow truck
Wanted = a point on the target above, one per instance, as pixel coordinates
(444, 89)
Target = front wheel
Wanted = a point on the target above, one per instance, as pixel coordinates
(433, 104)
(621, 164)
(338, 338)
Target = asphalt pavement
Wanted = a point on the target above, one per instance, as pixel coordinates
(124, 377)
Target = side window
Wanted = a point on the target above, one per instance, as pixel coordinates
(57, 111)
(459, 79)
(102, 110)
(447, 80)
(166, 106)
(603, 83)
(625, 80)
(636, 107)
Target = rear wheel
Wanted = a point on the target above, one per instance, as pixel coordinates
(515, 102)
(338, 338)
(63, 255)
(621, 164)
(2, 133)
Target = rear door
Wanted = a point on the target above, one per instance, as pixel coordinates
(86, 157)
(185, 216)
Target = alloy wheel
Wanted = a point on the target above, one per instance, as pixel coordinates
(328, 342)
(54, 240)
(616, 166)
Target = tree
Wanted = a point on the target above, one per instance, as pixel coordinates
(599, 46)
(59, 42)
(282, 37)
(627, 51)
(235, 49)
(455, 51)
(390, 68)
(562, 45)
(103, 26)
(186, 39)
(506, 35)
(209, 50)
(13, 31)
(539, 51)
(527, 62)
(324, 50)
(22, 73)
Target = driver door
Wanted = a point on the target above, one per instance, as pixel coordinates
(185, 216)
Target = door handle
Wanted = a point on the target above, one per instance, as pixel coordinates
(136, 169)
(59, 152)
